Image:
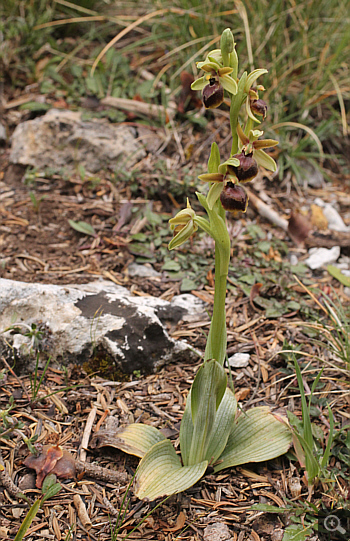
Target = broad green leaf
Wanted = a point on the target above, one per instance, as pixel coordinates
(220, 432)
(338, 275)
(51, 492)
(257, 435)
(82, 227)
(27, 521)
(137, 438)
(207, 391)
(186, 431)
(160, 473)
(296, 532)
(224, 420)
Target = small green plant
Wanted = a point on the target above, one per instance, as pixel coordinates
(210, 433)
(310, 455)
(121, 517)
(36, 202)
(49, 489)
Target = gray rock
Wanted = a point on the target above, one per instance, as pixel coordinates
(239, 360)
(318, 257)
(143, 271)
(3, 136)
(78, 320)
(61, 140)
(313, 176)
(217, 532)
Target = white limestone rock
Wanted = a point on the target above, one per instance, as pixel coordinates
(318, 257)
(77, 320)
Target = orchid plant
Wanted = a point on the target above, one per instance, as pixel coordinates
(211, 433)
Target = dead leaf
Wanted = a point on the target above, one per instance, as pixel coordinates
(180, 522)
(187, 95)
(299, 227)
(254, 292)
(242, 394)
(318, 219)
(52, 459)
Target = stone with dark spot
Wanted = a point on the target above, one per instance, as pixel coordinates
(100, 319)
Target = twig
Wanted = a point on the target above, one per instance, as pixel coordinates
(149, 109)
(16, 378)
(103, 474)
(6, 481)
(82, 512)
(87, 431)
(267, 212)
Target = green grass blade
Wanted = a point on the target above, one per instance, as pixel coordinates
(27, 521)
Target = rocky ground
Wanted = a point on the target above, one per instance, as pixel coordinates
(85, 224)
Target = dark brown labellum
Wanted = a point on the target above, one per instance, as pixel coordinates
(213, 94)
(234, 198)
(259, 107)
(247, 170)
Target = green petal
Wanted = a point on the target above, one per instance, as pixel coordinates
(199, 84)
(232, 161)
(252, 77)
(210, 67)
(160, 473)
(229, 84)
(265, 160)
(264, 143)
(214, 194)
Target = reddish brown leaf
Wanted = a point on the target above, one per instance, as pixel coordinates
(254, 292)
(180, 522)
(52, 459)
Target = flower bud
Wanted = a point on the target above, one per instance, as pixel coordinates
(213, 94)
(259, 107)
(247, 170)
(227, 42)
(234, 198)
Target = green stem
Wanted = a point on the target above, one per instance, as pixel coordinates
(217, 338)
(236, 104)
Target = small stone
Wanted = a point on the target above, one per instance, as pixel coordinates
(318, 257)
(217, 532)
(239, 360)
(293, 259)
(335, 221)
(277, 534)
(313, 176)
(3, 136)
(143, 271)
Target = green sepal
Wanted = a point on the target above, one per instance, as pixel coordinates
(258, 435)
(214, 193)
(265, 160)
(252, 77)
(229, 84)
(214, 159)
(160, 473)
